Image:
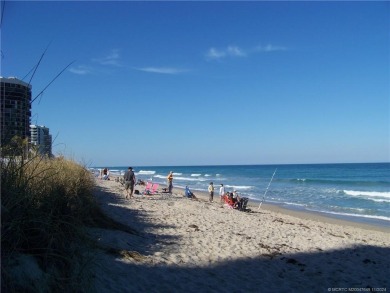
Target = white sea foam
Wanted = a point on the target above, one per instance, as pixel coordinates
(384, 194)
(295, 204)
(239, 187)
(189, 179)
(196, 175)
(144, 172)
(380, 200)
(181, 178)
(354, 215)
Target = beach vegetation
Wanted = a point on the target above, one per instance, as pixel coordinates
(46, 204)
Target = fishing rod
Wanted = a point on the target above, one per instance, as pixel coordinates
(267, 189)
(36, 66)
(52, 81)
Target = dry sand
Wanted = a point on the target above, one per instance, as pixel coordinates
(195, 246)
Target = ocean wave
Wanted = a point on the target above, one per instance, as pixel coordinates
(190, 179)
(380, 200)
(144, 172)
(295, 204)
(334, 182)
(353, 215)
(239, 187)
(384, 194)
(182, 178)
(196, 175)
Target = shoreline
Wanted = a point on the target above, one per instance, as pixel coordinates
(360, 222)
(302, 214)
(325, 197)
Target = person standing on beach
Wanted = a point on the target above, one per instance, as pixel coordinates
(221, 192)
(211, 192)
(129, 178)
(170, 181)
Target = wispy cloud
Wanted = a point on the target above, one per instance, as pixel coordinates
(162, 70)
(99, 65)
(230, 51)
(270, 48)
(80, 70)
(112, 59)
(235, 51)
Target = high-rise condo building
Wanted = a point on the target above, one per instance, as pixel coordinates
(15, 109)
(41, 139)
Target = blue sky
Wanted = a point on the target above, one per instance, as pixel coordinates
(203, 83)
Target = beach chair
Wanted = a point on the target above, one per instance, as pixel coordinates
(148, 188)
(154, 188)
(228, 202)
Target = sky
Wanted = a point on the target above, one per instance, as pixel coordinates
(205, 83)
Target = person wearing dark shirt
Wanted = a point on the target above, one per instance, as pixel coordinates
(129, 178)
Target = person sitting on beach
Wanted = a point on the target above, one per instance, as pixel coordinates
(140, 182)
(228, 199)
(106, 174)
(234, 201)
(236, 197)
(189, 193)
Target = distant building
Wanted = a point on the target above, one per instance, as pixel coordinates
(15, 109)
(41, 139)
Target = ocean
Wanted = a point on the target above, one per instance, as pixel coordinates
(356, 192)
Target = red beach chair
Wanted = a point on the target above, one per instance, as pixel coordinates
(228, 201)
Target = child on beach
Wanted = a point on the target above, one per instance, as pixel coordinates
(211, 191)
(221, 192)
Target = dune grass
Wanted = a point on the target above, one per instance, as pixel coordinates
(45, 205)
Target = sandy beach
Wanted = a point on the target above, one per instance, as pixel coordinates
(184, 245)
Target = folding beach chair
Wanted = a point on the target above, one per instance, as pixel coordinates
(228, 202)
(148, 188)
(154, 188)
